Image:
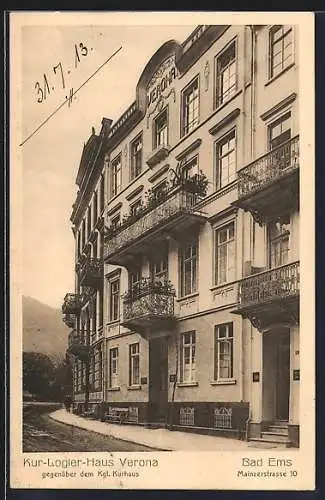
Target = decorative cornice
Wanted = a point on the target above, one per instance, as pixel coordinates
(113, 274)
(227, 119)
(278, 107)
(114, 209)
(159, 173)
(134, 193)
(223, 214)
(194, 145)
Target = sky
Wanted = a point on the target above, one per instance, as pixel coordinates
(51, 156)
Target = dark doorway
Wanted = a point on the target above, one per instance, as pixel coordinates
(158, 380)
(283, 375)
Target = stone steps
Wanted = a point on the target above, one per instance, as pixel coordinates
(276, 433)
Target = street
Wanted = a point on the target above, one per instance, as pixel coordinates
(41, 433)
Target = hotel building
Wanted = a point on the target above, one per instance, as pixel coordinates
(185, 311)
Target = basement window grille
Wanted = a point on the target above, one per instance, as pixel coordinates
(133, 415)
(222, 418)
(186, 416)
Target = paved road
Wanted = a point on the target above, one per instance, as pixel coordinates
(41, 433)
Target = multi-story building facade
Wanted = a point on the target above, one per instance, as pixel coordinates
(186, 306)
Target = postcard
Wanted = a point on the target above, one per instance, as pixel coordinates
(162, 250)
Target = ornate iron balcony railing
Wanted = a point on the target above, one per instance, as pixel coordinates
(69, 320)
(269, 168)
(276, 284)
(76, 346)
(91, 270)
(149, 298)
(176, 203)
(72, 304)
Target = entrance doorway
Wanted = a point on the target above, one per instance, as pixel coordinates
(158, 380)
(276, 374)
(283, 376)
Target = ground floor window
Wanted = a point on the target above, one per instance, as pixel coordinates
(188, 355)
(113, 367)
(223, 351)
(134, 354)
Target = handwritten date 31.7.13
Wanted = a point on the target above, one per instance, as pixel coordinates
(58, 76)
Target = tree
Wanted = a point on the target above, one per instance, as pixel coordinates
(38, 374)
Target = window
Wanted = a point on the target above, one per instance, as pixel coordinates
(88, 222)
(191, 166)
(79, 243)
(102, 193)
(94, 319)
(226, 160)
(101, 310)
(281, 49)
(280, 131)
(115, 221)
(226, 74)
(113, 367)
(95, 209)
(161, 129)
(98, 370)
(116, 179)
(159, 266)
(160, 190)
(114, 300)
(188, 369)
(83, 233)
(188, 268)
(278, 235)
(136, 207)
(136, 157)
(135, 279)
(223, 368)
(134, 364)
(190, 107)
(225, 254)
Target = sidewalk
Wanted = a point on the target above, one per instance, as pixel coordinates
(161, 439)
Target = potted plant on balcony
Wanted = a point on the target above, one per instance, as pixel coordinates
(197, 184)
(155, 197)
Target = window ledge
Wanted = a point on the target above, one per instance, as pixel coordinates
(187, 384)
(112, 389)
(226, 381)
(186, 297)
(113, 323)
(270, 80)
(223, 285)
(157, 155)
(134, 387)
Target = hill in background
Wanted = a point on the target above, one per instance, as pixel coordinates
(43, 329)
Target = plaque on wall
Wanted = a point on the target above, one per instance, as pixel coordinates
(256, 376)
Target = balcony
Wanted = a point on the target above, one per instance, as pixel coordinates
(269, 186)
(173, 213)
(271, 297)
(76, 347)
(149, 307)
(91, 273)
(72, 304)
(69, 320)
